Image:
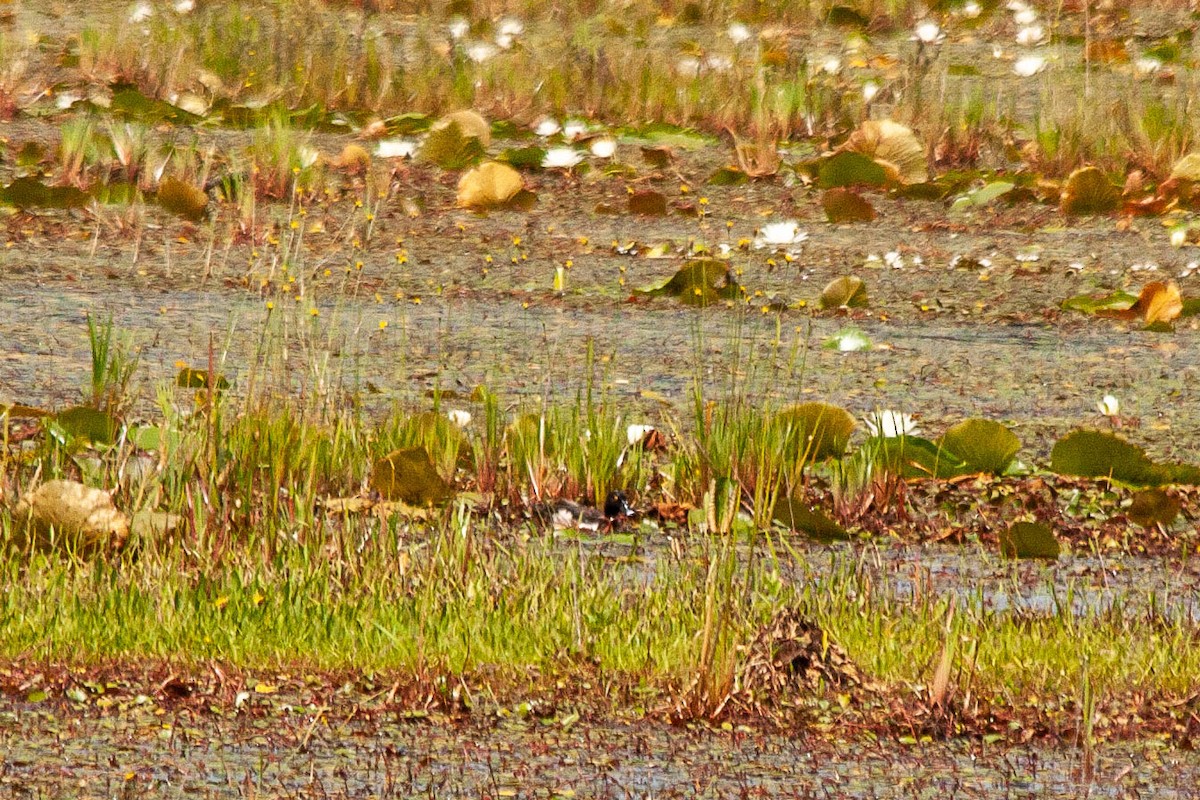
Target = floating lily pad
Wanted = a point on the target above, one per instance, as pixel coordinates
(848, 340)
(916, 457)
(844, 16)
(115, 194)
(450, 148)
(699, 282)
(982, 196)
(129, 103)
(657, 157)
(850, 169)
(728, 176)
(524, 157)
(892, 146)
(797, 515)
(182, 199)
(662, 134)
(846, 205)
(982, 444)
(1029, 540)
(648, 203)
(1100, 454)
(1091, 304)
(71, 517)
(1089, 191)
(87, 424)
(815, 431)
(26, 193)
(408, 475)
(470, 124)
(489, 185)
(847, 291)
(189, 378)
(407, 124)
(1151, 507)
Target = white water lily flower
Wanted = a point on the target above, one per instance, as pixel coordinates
(65, 100)
(1108, 406)
(636, 433)
(869, 90)
(929, 32)
(604, 147)
(1025, 16)
(890, 424)
(396, 148)
(1029, 66)
(779, 234)
(718, 63)
(140, 13)
(893, 259)
(971, 9)
(738, 32)
(573, 129)
(688, 66)
(307, 156)
(561, 158)
(459, 417)
(459, 28)
(185, 7)
(504, 41)
(1031, 35)
(510, 26)
(480, 52)
(1147, 66)
(1189, 269)
(546, 127)
(848, 340)
(832, 65)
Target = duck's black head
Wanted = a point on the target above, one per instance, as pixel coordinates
(617, 505)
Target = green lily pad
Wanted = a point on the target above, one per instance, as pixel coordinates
(728, 176)
(916, 457)
(1100, 454)
(1089, 191)
(847, 291)
(524, 157)
(1029, 540)
(982, 444)
(450, 148)
(182, 199)
(799, 516)
(26, 193)
(814, 431)
(407, 124)
(846, 205)
(701, 282)
(850, 169)
(1092, 304)
(129, 103)
(848, 340)
(87, 424)
(662, 134)
(408, 475)
(982, 196)
(189, 378)
(648, 203)
(1151, 507)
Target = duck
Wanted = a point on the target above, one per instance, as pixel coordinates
(569, 515)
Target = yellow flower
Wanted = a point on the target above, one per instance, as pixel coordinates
(382, 324)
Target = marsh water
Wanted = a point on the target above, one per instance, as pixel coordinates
(306, 755)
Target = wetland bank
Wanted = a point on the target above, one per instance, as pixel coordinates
(329, 381)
